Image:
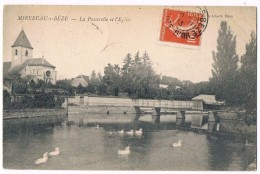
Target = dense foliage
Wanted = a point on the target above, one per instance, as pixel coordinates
(237, 86)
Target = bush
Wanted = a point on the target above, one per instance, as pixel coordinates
(44, 100)
(59, 101)
(39, 100)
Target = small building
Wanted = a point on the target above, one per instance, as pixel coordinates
(209, 102)
(80, 80)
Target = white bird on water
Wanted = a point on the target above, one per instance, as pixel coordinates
(43, 159)
(177, 144)
(121, 131)
(55, 152)
(97, 127)
(139, 132)
(124, 152)
(131, 132)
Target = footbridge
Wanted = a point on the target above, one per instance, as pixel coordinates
(178, 108)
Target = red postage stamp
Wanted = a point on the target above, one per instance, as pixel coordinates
(184, 27)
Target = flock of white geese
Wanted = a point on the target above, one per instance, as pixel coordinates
(44, 159)
(139, 132)
(126, 151)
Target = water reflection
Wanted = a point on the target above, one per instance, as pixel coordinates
(84, 147)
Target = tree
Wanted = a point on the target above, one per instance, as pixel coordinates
(65, 85)
(137, 59)
(225, 66)
(249, 80)
(112, 78)
(141, 80)
(127, 63)
(20, 86)
(80, 89)
(44, 100)
(145, 58)
(95, 81)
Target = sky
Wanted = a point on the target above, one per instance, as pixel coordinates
(78, 47)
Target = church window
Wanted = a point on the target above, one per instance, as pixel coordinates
(16, 52)
(26, 53)
(48, 73)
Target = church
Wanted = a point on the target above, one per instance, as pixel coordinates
(29, 68)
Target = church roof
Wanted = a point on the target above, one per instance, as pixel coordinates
(38, 62)
(22, 40)
(32, 62)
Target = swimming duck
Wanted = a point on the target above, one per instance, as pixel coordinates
(97, 127)
(139, 132)
(131, 132)
(56, 152)
(43, 159)
(177, 144)
(124, 152)
(121, 132)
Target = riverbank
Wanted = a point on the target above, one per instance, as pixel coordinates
(229, 123)
(33, 113)
(252, 166)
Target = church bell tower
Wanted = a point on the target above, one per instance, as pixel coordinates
(21, 50)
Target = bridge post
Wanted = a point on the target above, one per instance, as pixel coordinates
(180, 118)
(138, 113)
(213, 119)
(67, 106)
(157, 114)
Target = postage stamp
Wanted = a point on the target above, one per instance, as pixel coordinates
(184, 27)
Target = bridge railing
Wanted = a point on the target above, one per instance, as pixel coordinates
(96, 101)
(164, 103)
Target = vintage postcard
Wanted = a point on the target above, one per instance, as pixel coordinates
(149, 88)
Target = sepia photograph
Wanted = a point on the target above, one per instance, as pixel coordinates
(147, 88)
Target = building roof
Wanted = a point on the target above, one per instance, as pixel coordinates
(86, 78)
(22, 40)
(80, 80)
(38, 62)
(208, 99)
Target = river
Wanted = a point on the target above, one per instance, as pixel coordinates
(83, 147)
